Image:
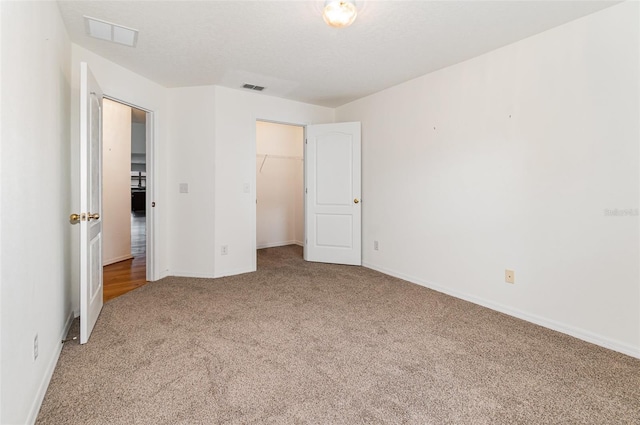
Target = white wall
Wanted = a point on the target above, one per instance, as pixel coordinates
(190, 139)
(124, 85)
(190, 126)
(211, 146)
(138, 151)
(2, 36)
(116, 182)
(510, 160)
(236, 113)
(279, 184)
(138, 138)
(35, 200)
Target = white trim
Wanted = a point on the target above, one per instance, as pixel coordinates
(48, 373)
(178, 273)
(235, 272)
(117, 260)
(150, 212)
(277, 244)
(582, 334)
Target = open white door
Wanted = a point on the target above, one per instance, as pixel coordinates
(90, 202)
(332, 201)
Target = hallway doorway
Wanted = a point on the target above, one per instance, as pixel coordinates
(124, 198)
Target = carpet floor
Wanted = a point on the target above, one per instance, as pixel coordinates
(309, 343)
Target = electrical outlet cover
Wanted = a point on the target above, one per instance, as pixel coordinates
(509, 276)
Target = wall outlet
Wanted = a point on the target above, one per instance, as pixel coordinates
(375, 245)
(184, 187)
(224, 250)
(35, 347)
(509, 276)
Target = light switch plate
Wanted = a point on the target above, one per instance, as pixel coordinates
(184, 187)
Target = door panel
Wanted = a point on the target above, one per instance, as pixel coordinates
(334, 184)
(332, 203)
(90, 202)
(334, 230)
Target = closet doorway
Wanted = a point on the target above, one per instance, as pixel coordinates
(279, 186)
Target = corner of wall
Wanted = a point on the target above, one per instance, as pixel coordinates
(512, 160)
(36, 82)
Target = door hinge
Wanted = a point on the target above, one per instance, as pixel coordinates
(306, 141)
(306, 190)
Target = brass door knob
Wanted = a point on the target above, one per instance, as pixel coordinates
(355, 201)
(93, 216)
(74, 217)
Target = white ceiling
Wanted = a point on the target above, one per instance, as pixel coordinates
(286, 46)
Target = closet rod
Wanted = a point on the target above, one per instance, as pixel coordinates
(278, 156)
(275, 156)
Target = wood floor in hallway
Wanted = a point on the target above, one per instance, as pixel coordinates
(124, 276)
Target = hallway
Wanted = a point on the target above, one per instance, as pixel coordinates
(124, 276)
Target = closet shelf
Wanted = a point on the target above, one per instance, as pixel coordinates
(279, 156)
(298, 158)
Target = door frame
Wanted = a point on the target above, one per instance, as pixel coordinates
(150, 185)
(254, 230)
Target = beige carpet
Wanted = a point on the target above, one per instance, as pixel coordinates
(311, 343)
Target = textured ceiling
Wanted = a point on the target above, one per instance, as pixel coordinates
(286, 46)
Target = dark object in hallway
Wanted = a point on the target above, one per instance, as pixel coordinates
(138, 199)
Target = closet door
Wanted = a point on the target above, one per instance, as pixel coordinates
(332, 194)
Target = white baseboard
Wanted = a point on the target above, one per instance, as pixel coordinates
(117, 259)
(277, 244)
(51, 366)
(532, 318)
(178, 273)
(182, 273)
(234, 272)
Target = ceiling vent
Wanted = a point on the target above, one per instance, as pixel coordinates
(108, 31)
(252, 87)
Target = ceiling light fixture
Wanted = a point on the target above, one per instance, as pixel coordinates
(110, 32)
(339, 13)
